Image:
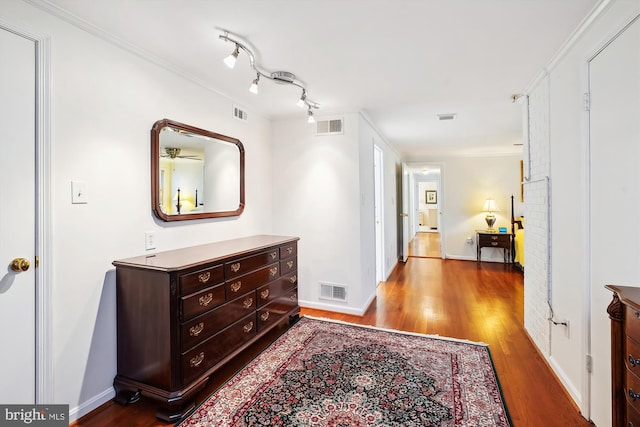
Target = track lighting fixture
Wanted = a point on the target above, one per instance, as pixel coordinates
(282, 77)
(301, 102)
(311, 119)
(231, 59)
(254, 85)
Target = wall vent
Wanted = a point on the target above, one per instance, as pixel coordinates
(330, 127)
(240, 114)
(332, 292)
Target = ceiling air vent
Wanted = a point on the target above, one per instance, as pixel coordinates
(331, 292)
(446, 116)
(330, 127)
(240, 114)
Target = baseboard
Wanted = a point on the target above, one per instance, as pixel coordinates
(358, 311)
(575, 395)
(89, 405)
(554, 373)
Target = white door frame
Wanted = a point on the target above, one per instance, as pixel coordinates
(378, 161)
(44, 318)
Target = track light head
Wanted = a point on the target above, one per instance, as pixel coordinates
(303, 98)
(231, 59)
(254, 85)
(311, 119)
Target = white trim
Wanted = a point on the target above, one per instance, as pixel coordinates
(584, 25)
(339, 308)
(44, 319)
(91, 404)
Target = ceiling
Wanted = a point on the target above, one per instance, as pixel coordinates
(400, 62)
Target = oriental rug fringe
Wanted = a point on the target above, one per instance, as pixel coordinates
(328, 373)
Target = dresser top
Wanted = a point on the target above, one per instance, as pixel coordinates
(628, 294)
(192, 256)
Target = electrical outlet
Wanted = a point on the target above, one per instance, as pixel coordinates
(469, 241)
(150, 240)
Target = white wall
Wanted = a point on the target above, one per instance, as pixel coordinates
(104, 101)
(466, 183)
(559, 95)
(324, 194)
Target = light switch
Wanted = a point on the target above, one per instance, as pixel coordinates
(79, 192)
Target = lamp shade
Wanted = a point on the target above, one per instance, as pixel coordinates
(490, 206)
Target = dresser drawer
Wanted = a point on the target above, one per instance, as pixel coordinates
(212, 322)
(272, 290)
(632, 323)
(288, 250)
(288, 265)
(195, 304)
(632, 355)
(192, 282)
(633, 417)
(248, 264)
(632, 387)
(276, 309)
(251, 281)
(213, 350)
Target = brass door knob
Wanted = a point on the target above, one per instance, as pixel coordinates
(20, 265)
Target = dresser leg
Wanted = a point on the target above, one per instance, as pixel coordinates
(125, 395)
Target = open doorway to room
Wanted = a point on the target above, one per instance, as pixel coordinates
(427, 212)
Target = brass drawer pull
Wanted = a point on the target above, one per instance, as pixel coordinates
(633, 395)
(289, 250)
(633, 361)
(264, 294)
(494, 243)
(290, 264)
(264, 316)
(248, 302)
(293, 297)
(197, 360)
(235, 286)
(204, 277)
(273, 271)
(205, 300)
(293, 279)
(196, 330)
(248, 327)
(274, 255)
(637, 314)
(494, 237)
(235, 267)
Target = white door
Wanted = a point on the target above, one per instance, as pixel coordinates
(614, 80)
(17, 218)
(406, 233)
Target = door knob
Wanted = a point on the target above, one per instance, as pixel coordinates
(20, 265)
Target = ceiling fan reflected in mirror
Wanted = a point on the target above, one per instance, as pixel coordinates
(173, 152)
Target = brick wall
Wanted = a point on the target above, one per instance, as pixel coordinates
(536, 211)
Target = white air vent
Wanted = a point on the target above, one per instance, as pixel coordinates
(329, 291)
(240, 114)
(329, 127)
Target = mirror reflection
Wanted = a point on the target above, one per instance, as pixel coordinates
(196, 173)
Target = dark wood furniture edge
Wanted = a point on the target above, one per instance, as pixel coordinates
(616, 314)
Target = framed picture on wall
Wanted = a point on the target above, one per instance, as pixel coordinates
(431, 197)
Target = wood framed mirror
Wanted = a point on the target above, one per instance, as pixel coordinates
(195, 173)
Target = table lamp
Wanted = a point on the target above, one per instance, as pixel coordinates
(490, 207)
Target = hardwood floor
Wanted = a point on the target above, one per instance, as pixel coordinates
(425, 245)
(462, 299)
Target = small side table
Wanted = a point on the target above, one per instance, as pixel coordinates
(493, 239)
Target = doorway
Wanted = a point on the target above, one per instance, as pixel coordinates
(378, 167)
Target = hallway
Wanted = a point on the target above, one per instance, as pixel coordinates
(425, 245)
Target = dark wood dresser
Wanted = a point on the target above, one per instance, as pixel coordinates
(182, 314)
(624, 312)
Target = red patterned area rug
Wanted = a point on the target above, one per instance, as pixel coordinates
(328, 373)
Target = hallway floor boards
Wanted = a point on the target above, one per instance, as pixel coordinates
(460, 299)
